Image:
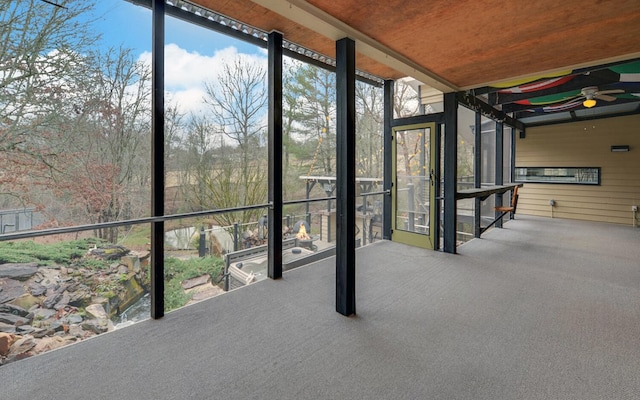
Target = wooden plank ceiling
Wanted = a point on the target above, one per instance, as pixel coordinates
(468, 43)
(457, 45)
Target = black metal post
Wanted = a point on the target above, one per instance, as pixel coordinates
(450, 171)
(306, 207)
(512, 169)
(274, 252)
(387, 167)
(236, 244)
(346, 177)
(437, 146)
(202, 244)
(424, 174)
(226, 278)
(477, 174)
(157, 160)
(411, 217)
(365, 213)
(499, 176)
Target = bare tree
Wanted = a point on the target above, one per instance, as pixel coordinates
(237, 177)
(40, 53)
(405, 104)
(238, 101)
(369, 146)
(102, 175)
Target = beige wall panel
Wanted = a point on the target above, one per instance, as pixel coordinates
(584, 144)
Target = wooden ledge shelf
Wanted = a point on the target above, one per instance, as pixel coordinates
(485, 192)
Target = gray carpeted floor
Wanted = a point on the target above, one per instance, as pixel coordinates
(542, 309)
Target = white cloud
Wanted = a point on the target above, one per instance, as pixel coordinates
(186, 72)
(189, 100)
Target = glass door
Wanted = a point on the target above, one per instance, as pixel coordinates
(413, 194)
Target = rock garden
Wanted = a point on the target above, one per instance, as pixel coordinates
(55, 295)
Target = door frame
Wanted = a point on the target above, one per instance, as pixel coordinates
(417, 239)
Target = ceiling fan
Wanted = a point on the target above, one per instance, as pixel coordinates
(591, 93)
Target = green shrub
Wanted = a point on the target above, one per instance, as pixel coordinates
(94, 263)
(177, 270)
(174, 295)
(44, 254)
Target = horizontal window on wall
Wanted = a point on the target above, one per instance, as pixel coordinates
(567, 175)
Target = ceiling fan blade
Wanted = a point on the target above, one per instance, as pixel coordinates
(604, 97)
(612, 91)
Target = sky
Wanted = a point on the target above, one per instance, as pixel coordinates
(192, 54)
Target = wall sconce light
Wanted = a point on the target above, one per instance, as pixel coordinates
(620, 148)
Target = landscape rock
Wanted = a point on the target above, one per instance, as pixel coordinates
(20, 272)
(57, 326)
(37, 289)
(21, 346)
(80, 297)
(13, 309)
(48, 276)
(13, 319)
(73, 319)
(6, 339)
(11, 289)
(7, 328)
(96, 311)
(42, 313)
(40, 333)
(25, 329)
(96, 325)
(132, 263)
(110, 252)
(27, 301)
(205, 292)
(78, 332)
(197, 281)
(63, 301)
(54, 342)
(52, 299)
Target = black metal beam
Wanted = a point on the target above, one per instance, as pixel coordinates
(499, 172)
(346, 177)
(274, 270)
(387, 167)
(512, 166)
(450, 170)
(477, 174)
(469, 100)
(438, 118)
(193, 18)
(157, 159)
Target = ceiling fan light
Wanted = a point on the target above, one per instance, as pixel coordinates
(589, 103)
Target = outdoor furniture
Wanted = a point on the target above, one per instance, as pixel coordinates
(484, 192)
